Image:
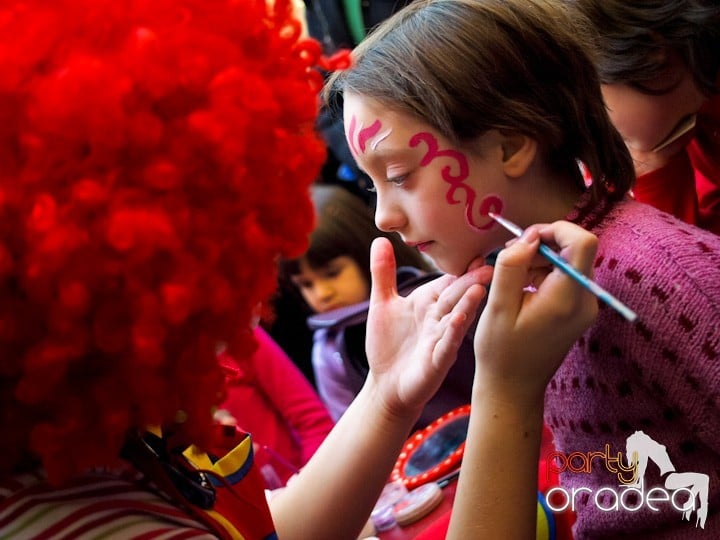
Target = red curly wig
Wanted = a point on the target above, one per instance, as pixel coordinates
(155, 158)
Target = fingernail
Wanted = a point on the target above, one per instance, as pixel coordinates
(529, 235)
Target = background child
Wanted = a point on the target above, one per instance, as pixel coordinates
(659, 63)
(488, 106)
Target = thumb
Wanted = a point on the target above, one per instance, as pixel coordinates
(382, 271)
(511, 273)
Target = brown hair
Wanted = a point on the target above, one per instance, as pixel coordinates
(631, 38)
(469, 66)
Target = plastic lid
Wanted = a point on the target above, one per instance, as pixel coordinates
(417, 504)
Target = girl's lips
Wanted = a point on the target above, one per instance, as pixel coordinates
(422, 246)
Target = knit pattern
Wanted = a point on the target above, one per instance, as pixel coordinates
(660, 375)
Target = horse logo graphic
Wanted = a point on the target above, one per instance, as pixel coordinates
(640, 448)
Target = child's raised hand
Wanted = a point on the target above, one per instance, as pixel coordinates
(534, 312)
(412, 341)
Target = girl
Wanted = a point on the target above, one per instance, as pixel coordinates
(333, 279)
(335, 269)
(489, 106)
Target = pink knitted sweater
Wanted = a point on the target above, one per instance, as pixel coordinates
(659, 375)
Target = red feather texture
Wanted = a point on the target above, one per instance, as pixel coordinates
(155, 158)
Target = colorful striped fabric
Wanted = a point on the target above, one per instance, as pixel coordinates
(127, 504)
(95, 506)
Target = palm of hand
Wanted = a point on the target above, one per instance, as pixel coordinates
(402, 357)
(412, 341)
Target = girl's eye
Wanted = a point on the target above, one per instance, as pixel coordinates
(333, 273)
(303, 285)
(395, 180)
(398, 180)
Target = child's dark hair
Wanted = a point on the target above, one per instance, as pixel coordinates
(469, 66)
(632, 38)
(345, 226)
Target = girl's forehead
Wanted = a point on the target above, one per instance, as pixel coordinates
(371, 128)
(368, 110)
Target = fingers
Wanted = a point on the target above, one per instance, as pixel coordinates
(520, 264)
(477, 262)
(555, 313)
(575, 244)
(447, 294)
(382, 271)
(512, 268)
(578, 247)
(458, 322)
(453, 313)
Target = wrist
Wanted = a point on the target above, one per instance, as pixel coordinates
(390, 416)
(508, 400)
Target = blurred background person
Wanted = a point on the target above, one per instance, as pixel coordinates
(278, 407)
(659, 63)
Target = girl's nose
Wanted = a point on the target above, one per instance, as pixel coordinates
(324, 290)
(389, 217)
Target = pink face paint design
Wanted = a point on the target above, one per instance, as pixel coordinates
(358, 142)
(368, 133)
(380, 138)
(490, 203)
(351, 136)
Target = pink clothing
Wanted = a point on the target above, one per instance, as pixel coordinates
(274, 402)
(689, 185)
(659, 375)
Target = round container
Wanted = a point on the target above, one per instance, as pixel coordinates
(417, 504)
(382, 515)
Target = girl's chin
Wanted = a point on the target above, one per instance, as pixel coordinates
(454, 269)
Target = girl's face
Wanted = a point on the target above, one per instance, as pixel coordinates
(338, 284)
(645, 120)
(435, 195)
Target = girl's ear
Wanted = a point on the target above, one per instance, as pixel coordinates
(518, 153)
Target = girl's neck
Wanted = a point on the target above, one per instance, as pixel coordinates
(549, 197)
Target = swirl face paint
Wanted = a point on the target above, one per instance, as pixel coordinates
(489, 203)
(358, 141)
(455, 173)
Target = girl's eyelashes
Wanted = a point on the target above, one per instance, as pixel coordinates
(394, 180)
(397, 180)
(332, 273)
